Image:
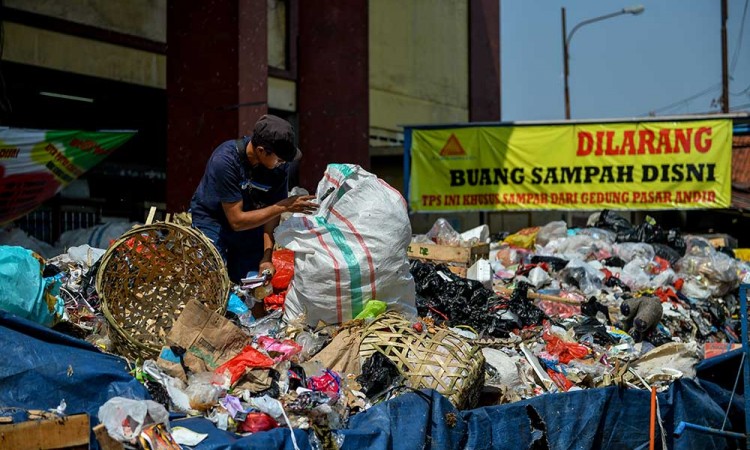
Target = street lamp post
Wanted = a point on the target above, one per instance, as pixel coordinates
(634, 10)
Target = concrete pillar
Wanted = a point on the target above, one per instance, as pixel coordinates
(217, 70)
(333, 86)
(484, 60)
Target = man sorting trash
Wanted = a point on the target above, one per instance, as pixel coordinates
(243, 193)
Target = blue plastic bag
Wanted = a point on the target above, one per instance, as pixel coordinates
(23, 291)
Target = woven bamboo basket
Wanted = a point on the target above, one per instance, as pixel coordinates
(148, 276)
(443, 360)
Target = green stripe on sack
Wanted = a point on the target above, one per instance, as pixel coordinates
(355, 274)
(346, 171)
(343, 168)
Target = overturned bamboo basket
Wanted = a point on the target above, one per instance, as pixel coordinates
(443, 361)
(148, 276)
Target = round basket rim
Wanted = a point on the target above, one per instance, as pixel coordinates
(139, 229)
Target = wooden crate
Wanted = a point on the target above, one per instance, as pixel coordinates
(458, 259)
(70, 432)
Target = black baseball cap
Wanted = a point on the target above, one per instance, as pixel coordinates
(276, 135)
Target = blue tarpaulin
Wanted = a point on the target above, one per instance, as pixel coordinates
(41, 367)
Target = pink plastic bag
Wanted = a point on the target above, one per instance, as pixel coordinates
(279, 350)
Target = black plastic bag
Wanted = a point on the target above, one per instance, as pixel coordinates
(556, 264)
(378, 373)
(609, 220)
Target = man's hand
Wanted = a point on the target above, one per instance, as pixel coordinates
(266, 265)
(299, 204)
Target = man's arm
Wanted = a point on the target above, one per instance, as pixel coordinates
(266, 262)
(241, 220)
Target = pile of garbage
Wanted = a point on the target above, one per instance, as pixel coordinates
(568, 309)
(609, 304)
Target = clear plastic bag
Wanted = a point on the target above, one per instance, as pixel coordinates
(599, 234)
(582, 275)
(583, 247)
(202, 391)
(442, 233)
(125, 418)
(553, 230)
(714, 271)
(269, 325)
(634, 274)
(311, 344)
(628, 251)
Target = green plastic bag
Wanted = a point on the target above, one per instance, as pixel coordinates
(373, 309)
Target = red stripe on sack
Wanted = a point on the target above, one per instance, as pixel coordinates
(333, 181)
(364, 247)
(336, 270)
(403, 200)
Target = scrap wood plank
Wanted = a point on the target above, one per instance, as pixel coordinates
(70, 432)
(106, 442)
(447, 253)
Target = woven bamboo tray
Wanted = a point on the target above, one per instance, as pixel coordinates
(147, 277)
(443, 361)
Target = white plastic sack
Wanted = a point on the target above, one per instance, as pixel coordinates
(98, 236)
(353, 250)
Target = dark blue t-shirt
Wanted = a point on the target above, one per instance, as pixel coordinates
(230, 178)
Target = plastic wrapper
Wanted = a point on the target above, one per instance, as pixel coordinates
(203, 390)
(257, 422)
(612, 221)
(524, 238)
(442, 233)
(629, 251)
(279, 350)
(556, 264)
(372, 309)
(539, 277)
(595, 329)
(248, 358)
(664, 278)
(634, 274)
(474, 236)
(308, 400)
(598, 234)
(714, 271)
(125, 418)
(508, 255)
(378, 373)
(565, 351)
(666, 252)
(268, 405)
(583, 276)
(283, 262)
(269, 325)
(328, 382)
(275, 302)
(551, 231)
(556, 309)
(504, 370)
(582, 247)
(311, 344)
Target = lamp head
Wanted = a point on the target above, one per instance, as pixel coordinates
(634, 10)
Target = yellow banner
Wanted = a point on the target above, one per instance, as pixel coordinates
(640, 165)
